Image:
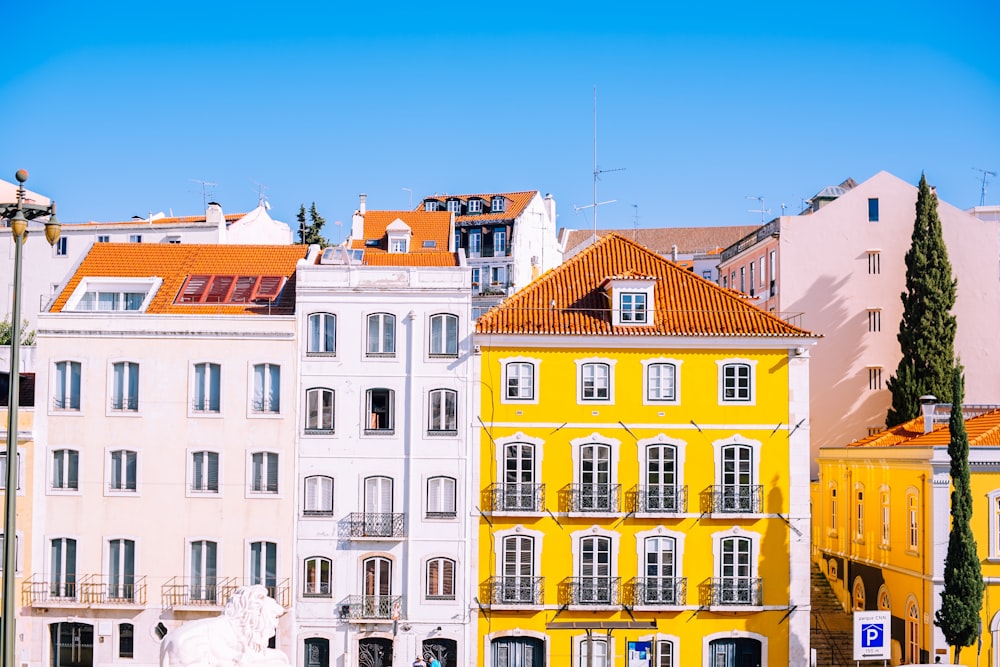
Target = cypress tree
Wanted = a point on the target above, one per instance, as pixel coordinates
(301, 217)
(962, 597)
(311, 234)
(927, 331)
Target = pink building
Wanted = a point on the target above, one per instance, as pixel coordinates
(838, 269)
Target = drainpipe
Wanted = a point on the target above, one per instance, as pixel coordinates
(408, 408)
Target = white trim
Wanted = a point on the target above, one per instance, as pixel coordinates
(189, 476)
(732, 361)
(732, 634)
(149, 286)
(680, 447)
(646, 363)
(645, 342)
(108, 491)
(283, 396)
(597, 361)
(536, 389)
(203, 414)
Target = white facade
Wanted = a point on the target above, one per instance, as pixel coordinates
(370, 334)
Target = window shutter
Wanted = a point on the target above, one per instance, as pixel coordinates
(194, 290)
(448, 576)
(326, 494)
(269, 287)
(218, 289)
(243, 289)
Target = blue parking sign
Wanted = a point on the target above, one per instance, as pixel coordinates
(871, 635)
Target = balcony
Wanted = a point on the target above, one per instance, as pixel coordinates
(211, 592)
(591, 498)
(657, 499)
(124, 404)
(88, 590)
(366, 608)
(590, 591)
(513, 591)
(657, 592)
(374, 525)
(734, 499)
(732, 592)
(516, 497)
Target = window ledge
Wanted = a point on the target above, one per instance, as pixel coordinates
(380, 355)
(442, 434)
(438, 516)
(319, 431)
(737, 608)
(321, 354)
(380, 431)
(443, 355)
(313, 514)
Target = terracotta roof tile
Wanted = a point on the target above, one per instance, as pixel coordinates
(173, 263)
(516, 203)
(424, 226)
(569, 300)
(689, 240)
(982, 429)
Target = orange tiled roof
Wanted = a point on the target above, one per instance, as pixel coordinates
(424, 226)
(983, 429)
(178, 220)
(569, 300)
(173, 263)
(688, 240)
(516, 203)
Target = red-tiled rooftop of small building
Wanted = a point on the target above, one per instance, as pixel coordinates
(515, 205)
(429, 238)
(174, 220)
(982, 429)
(174, 263)
(570, 300)
(689, 240)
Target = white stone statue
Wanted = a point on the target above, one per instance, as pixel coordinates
(236, 638)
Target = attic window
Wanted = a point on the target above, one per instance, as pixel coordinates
(475, 206)
(631, 300)
(113, 295)
(498, 205)
(371, 243)
(455, 205)
(632, 307)
(430, 243)
(431, 204)
(213, 289)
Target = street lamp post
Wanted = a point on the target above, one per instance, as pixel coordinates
(18, 214)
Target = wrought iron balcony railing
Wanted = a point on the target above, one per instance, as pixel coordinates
(516, 497)
(525, 591)
(733, 591)
(734, 499)
(590, 591)
(371, 607)
(90, 589)
(658, 499)
(200, 592)
(125, 403)
(657, 591)
(593, 497)
(375, 524)
(40, 590)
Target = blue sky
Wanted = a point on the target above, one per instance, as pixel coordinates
(116, 109)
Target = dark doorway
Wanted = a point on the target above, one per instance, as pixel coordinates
(735, 653)
(72, 644)
(518, 652)
(374, 652)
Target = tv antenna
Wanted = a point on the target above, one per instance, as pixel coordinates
(986, 180)
(205, 185)
(597, 172)
(635, 223)
(261, 197)
(763, 211)
(410, 190)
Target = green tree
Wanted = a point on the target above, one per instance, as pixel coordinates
(962, 597)
(927, 330)
(311, 233)
(7, 332)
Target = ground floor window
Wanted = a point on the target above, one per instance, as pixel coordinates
(517, 652)
(734, 652)
(72, 644)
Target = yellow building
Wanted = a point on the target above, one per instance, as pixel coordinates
(644, 462)
(881, 518)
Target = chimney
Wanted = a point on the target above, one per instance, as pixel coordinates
(673, 252)
(927, 405)
(361, 206)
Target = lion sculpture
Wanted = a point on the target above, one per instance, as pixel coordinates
(236, 638)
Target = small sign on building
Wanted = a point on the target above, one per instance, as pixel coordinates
(640, 654)
(871, 635)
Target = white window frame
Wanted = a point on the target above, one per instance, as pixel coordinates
(536, 536)
(475, 243)
(538, 450)
(192, 492)
(18, 551)
(505, 366)
(454, 206)
(442, 562)
(859, 513)
(438, 487)
(614, 456)
(257, 484)
(122, 398)
(437, 411)
(583, 366)
(647, 364)
(322, 589)
(736, 532)
(60, 247)
(885, 521)
(497, 204)
(206, 385)
(106, 562)
(498, 275)
(475, 205)
(261, 565)
(265, 407)
(378, 349)
(20, 473)
(368, 427)
(576, 538)
(321, 334)
(737, 440)
(439, 326)
(319, 493)
(51, 468)
(580, 656)
(660, 531)
(993, 498)
(324, 398)
(736, 362)
(633, 307)
(119, 286)
(189, 564)
(109, 472)
(64, 377)
(680, 449)
(912, 520)
(833, 496)
(500, 242)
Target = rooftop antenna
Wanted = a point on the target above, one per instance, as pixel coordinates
(204, 190)
(261, 197)
(410, 190)
(635, 223)
(763, 211)
(597, 172)
(783, 207)
(982, 193)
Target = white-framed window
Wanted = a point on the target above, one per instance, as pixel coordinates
(595, 567)
(737, 379)
(18, 556)
(203, 558)
(912, 631)
(378, 495)
(659, 571)
(123, 471)
(475, 278)
(444, 335)
(317, 577)
(518, 555)
(124, 386)
(661, 381)
(398, 244)
(263, 561)
(912, 520)
(859, 513)
(594, 478)
(520, 380)
(441, 498)
(62, 568)
(319, 411)
(661, 489)
(322, 338)
(595, 380)
(380, 411)
(66, 386)
(858, 595)
(431, 205)
(204, 472)
(3, 472)
(440, 579)
(737, 472)
(206, 388)
(65, 470)
(135, 238)
(632, 307)
(601, 648)
(442, 417)
(498, 275)
(266, 397)
(665, 653)
(885, 515)
(121, 569)
(519, 491)
(264, 472)
(499, 242)
(454, 206)
(993, 498)
(103, 238)
(381, 335)
(736, 552)
(318, 496)
(377, 573)
(475, 242)
(834, 510)
(498, 204)
(60, 247)
(475, 206)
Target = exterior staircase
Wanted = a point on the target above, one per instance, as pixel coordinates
(832, 629)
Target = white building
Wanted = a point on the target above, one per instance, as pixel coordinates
(385, 565)
(165, 434)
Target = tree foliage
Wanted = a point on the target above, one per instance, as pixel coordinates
(311, 233)
(7, 332)
(962, 597)
(927, 330)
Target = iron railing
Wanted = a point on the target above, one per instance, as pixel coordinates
(657, 591)
(202, 592)
(515, 590)
(593, 497)
(374, 607)
(516, 497)
(590, 591)
(658, 499)
(86, 589)
(375, 524)
(733, 592)
(750, 240)
(733, 499)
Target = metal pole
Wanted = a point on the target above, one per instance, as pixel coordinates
(10, 491)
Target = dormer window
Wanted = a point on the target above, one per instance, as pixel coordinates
(475, 206)
(498, 205)
(632, 307)
(113, 295)
(454, 206)
(631, 300)
(431, 204)
(398, 233)
(397, 245)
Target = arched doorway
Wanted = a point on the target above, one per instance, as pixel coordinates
(734, 652)
(517, 652)
(374, 652)
(317, 652)
(72, 644)
(445, 650)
